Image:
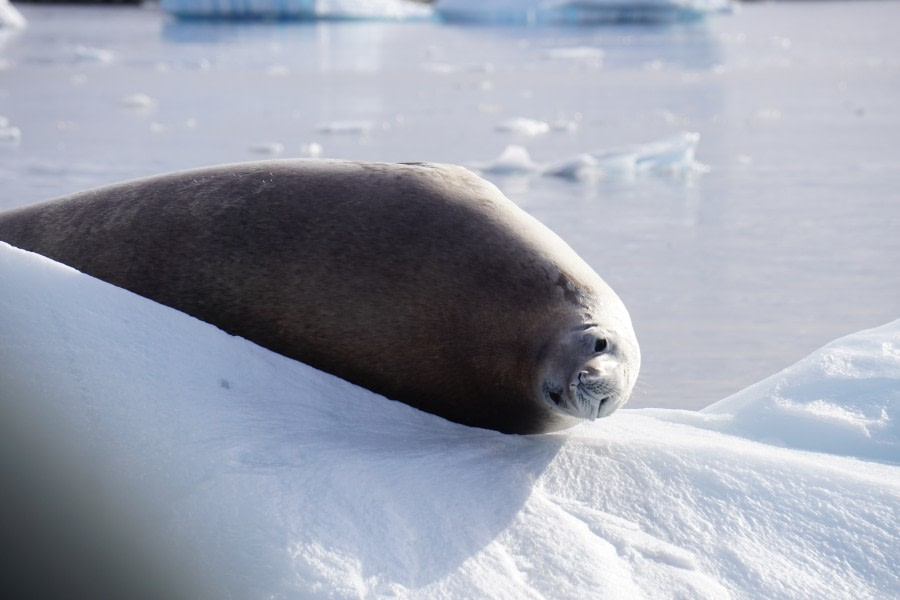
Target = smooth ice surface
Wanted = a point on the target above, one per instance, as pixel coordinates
(787, 242)
(275, 480)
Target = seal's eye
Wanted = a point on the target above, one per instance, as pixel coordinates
(600, 345)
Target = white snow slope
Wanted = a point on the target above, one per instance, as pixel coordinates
(280, 481)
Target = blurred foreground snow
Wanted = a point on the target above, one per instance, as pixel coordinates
(258, 476)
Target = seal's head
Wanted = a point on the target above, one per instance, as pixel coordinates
(589, 370)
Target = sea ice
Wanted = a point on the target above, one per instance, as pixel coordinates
(671, 155)
(360, 127)
(523, 126)
(138, 101)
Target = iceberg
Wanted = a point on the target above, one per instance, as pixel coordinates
(391, 10)
(225, 470)
(673, 155)
(10, 17)
(578, 11)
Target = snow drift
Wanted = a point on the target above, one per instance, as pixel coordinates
(252, 475)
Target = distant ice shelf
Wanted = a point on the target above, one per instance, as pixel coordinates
(579, 11)
(388, 10)
(490, 11)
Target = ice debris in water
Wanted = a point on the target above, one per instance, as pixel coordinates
(346, 127)
(311, 150)
(393, 10)
(588, 54)
(270, 148)
(8, 133)
(10, 17)
(89, 54)
(675, 154)
(137, 101)
(523, 126)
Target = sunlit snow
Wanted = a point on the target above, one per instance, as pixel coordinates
(282, 481)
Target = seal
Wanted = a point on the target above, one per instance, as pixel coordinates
(421, 282)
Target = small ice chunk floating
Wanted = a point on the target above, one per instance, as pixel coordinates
(674, 155)
(475, 11)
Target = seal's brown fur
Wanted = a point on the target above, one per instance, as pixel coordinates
(420, 282)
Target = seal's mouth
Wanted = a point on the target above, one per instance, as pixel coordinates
(586, 398)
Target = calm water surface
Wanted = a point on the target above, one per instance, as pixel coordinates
(788, 241)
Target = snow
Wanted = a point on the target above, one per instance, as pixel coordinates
(282, 481)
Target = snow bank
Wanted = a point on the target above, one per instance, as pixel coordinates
(578, 11)
(673, 155)
(299, 9)
(284, 481)
(10, 18)
(842, 399)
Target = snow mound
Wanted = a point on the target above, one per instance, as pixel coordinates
(10, 17)
(282, 481)
(578, 11)
(842, 399)
(394, 10)
(671, 155)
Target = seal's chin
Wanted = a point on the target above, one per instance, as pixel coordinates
(588, 399)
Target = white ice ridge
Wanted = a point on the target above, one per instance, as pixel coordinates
(673, 155)
(300, 9)
(578, 11)
(10, 17)
(267, 478)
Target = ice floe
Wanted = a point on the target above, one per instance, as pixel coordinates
(523, 126)
(671, 155)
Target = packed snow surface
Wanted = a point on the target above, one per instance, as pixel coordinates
(282, 481)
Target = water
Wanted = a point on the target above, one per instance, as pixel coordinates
(788, 241)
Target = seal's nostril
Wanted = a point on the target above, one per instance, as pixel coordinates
(556, 397)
